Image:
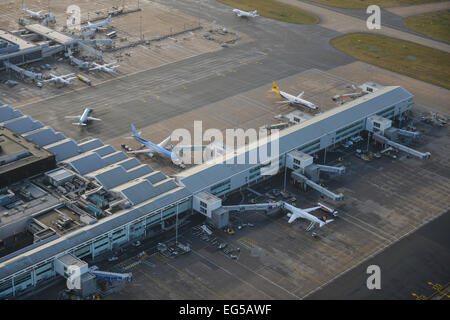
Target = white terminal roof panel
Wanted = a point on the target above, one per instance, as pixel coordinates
(8, 113)
(156, 177)
(114, 157)
(130, 163)
(117, 176)
(140, 192)
(23, 44)
(140, 171)
(88, 163)
(90, 145)
(60, 174)
(48, 33)
(104, 150)
(44, 136)
(112, 178)
(23, 124)
(64, 149)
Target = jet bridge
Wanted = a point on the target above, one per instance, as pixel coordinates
(399, 146)
(253, 207)
(89, 49)
(107, 42)
(338, 170)
(299, 178)
(23, 72)
(294, 212)
(112, 276)
(406, 133)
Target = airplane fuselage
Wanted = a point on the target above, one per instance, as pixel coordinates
(33, 15)
(96, 25)
(244, 14)
(84, 116)
(154, 148)
(296, 100)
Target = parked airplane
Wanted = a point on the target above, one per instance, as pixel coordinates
(154, 148)
(33, 14)
(304, 213)
(245, 14)
(64, 79)
(84, 118)
(96, 25)
(293, 99)
(109, 67)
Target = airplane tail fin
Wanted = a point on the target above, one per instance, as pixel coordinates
(135, 132)
(325, 221)
(275, 88)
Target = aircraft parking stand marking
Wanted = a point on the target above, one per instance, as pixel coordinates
(228, 272)
(160, 257)
(331, 250)
(161, 285)
(289, 265)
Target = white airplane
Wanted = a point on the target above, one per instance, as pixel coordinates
(109, 67)
(64, 79)
(96, 25)
(154, 148)
(84, 118)
(245, 14)
(304, 213)
(33, 14)
(293, 99)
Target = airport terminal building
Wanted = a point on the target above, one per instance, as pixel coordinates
(96, 199)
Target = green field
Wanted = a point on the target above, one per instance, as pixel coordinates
(408, 58)
(360, 4)
(433, 24)
(274, 10)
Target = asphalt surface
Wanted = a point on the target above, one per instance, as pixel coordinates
(407, 267)
(276, 52)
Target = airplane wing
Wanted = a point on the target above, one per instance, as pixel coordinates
(285, 101)
(68, 75)
(165, 142)
(311, 209)
(293, 217)
(301, 94)
(94, 68)
(191, 147)
(93, 119)
(148, 151)
(72, 117)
